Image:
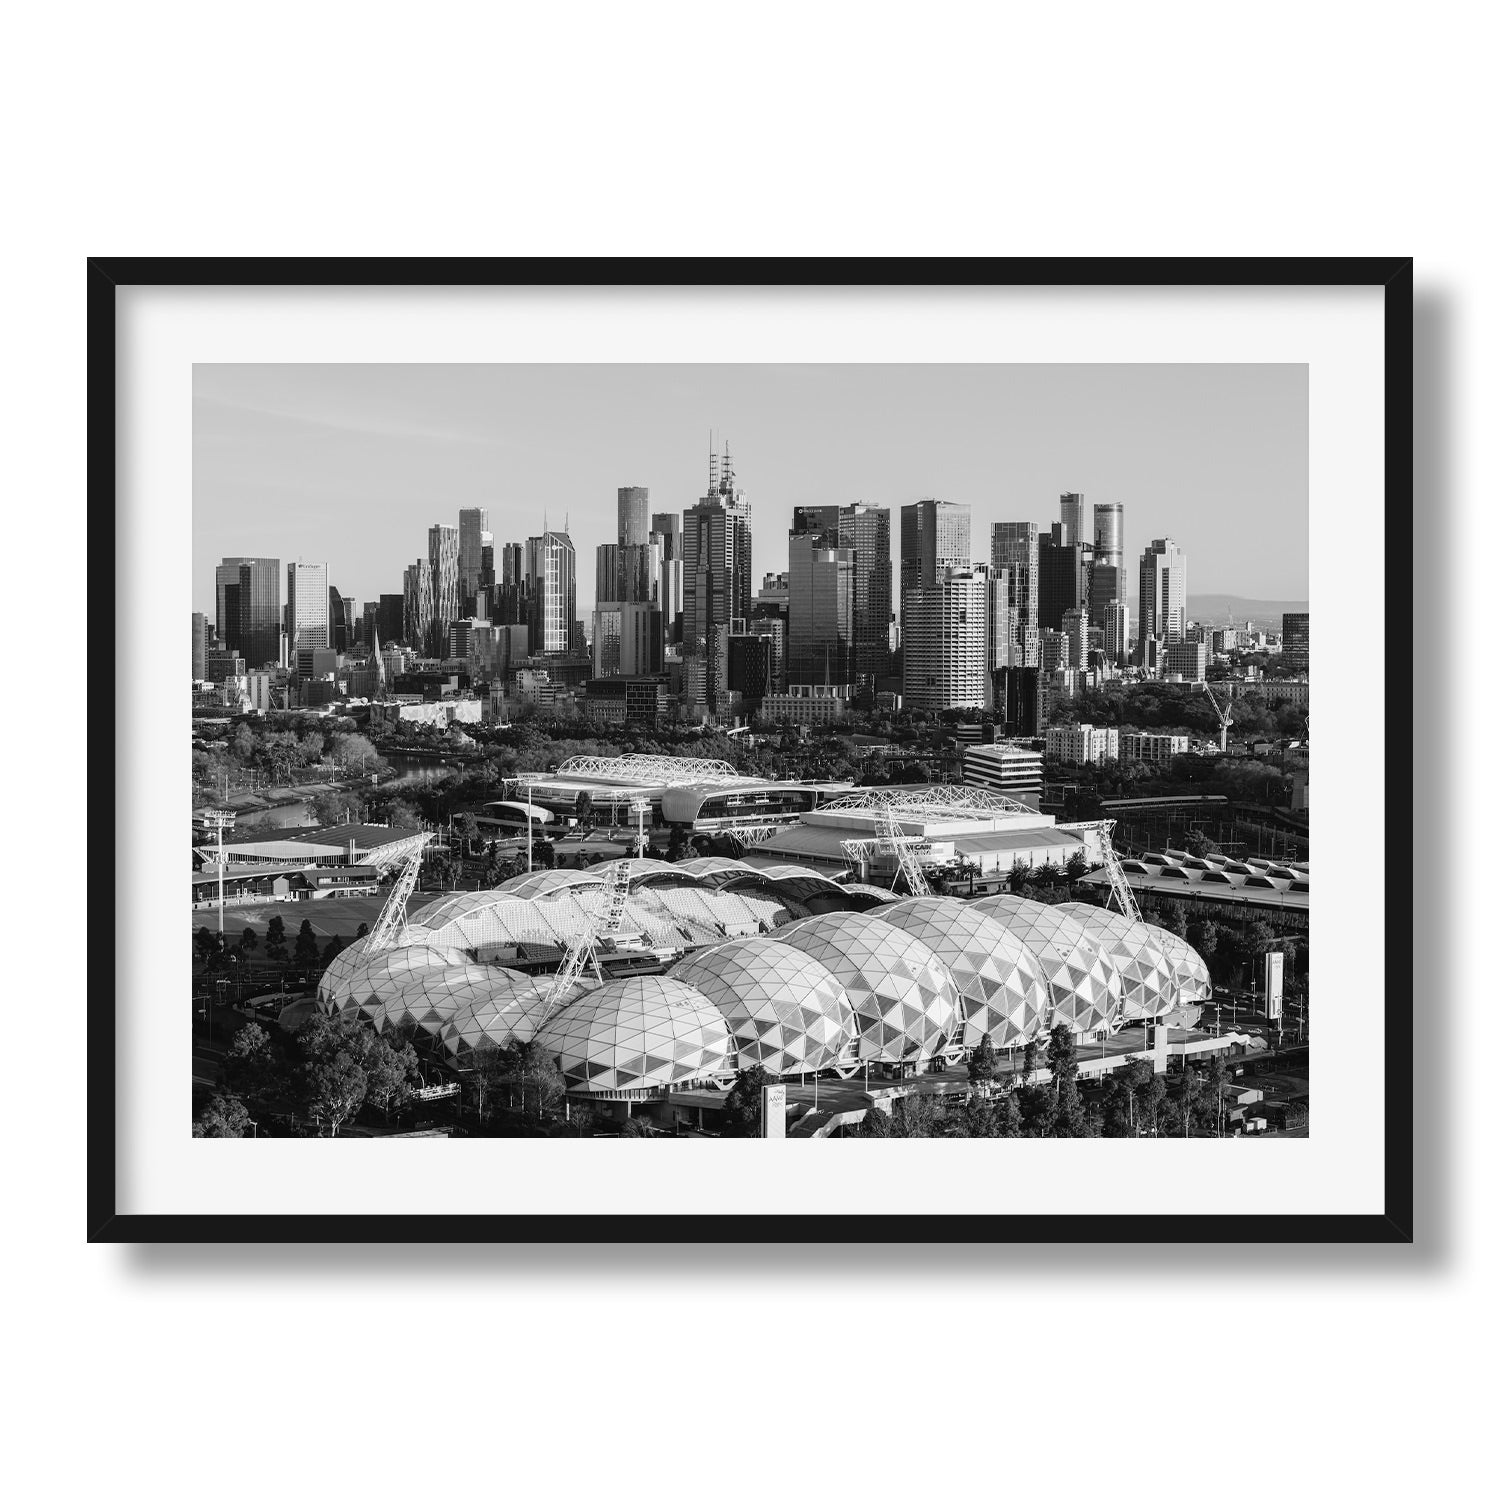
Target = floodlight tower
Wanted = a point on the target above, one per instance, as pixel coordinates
(218, 819)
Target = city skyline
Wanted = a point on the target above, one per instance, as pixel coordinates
(351, 465)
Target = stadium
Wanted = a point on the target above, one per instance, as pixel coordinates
(715, 965)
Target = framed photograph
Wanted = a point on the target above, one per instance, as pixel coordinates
(860, 704)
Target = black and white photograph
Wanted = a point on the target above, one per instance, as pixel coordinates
(801, 751)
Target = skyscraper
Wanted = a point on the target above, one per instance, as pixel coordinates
(442, 557)
(1109, 536)
(390, 618)
(945, 641)
(416, 605)
(308, 625)
(820, 602)
(1163, 598)
(472, 525)
(227, 575)
(1059, 573)
(1072, 518)
(259, 606)
(934, 536)
(1295, 641)
(552, 589)
(633, 503)
(200, 647)
(865, 530)
(1015, 547)
(716, 561)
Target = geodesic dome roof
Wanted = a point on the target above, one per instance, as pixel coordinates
(1002, 990)
(1087, 992)
(648, 1031)
(905, 1002)
(713, 864)
(1194, 986)
(784, 1010)
(360, 980)
(540, 883)
(1149, 977)
(430, 998)
(508, 1015)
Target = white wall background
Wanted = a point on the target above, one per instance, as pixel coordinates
(647, 129)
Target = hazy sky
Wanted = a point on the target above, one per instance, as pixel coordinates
(350, 464)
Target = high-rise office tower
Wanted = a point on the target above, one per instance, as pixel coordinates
(1015, 547)
(934, 536)
(340, 620)
(308, 624)
(820, 600)
(1117, 632)
(668, 526)
(416, 605)
(716, 565)
(551, 586)
(200, 648)
(259, 609)
(1059, 573)
(865, 530)
(1075, 625)
(934, 539)
(1163, 598)
(1072, 518)
(1296, 642)
(472, 525)
(945, 641)
(227, 623)
(442, 557)
(1109, 536)
(633, 504)
(510, 599)
(390, 618)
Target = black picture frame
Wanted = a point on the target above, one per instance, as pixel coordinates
(107, 275)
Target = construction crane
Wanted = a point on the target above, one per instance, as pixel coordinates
(603, 921)
(1225, 720)
(392, 919)
(891, 841)
(1119, 887)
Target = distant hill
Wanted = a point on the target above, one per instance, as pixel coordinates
(1265, 613)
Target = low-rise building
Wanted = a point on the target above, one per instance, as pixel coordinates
(442, 713)
(1154, 749)
(1082, 744)
(1011, 770)
(806, 703)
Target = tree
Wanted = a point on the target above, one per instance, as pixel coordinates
(333, 1091)
(468, 829)
(1077, 866)
(222, 1118)
(391, 1072)
(1062, 1057)
(255, 1066)
(1029, 1055)
(331, 950)
(544, 854)
(305, 953)
(742, 1108)
(982, 1065)
(248, 942)
(583, 809)
(1199, 845)
(1019, 877)
(1038, 1107)
(276, 940)
(206, 944)
(638, 1126)
(363, 930)
(677, 843)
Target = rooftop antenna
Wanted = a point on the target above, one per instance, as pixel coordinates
(713, 465)
(728, 477)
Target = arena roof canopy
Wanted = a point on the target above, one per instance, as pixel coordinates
(651, 770)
